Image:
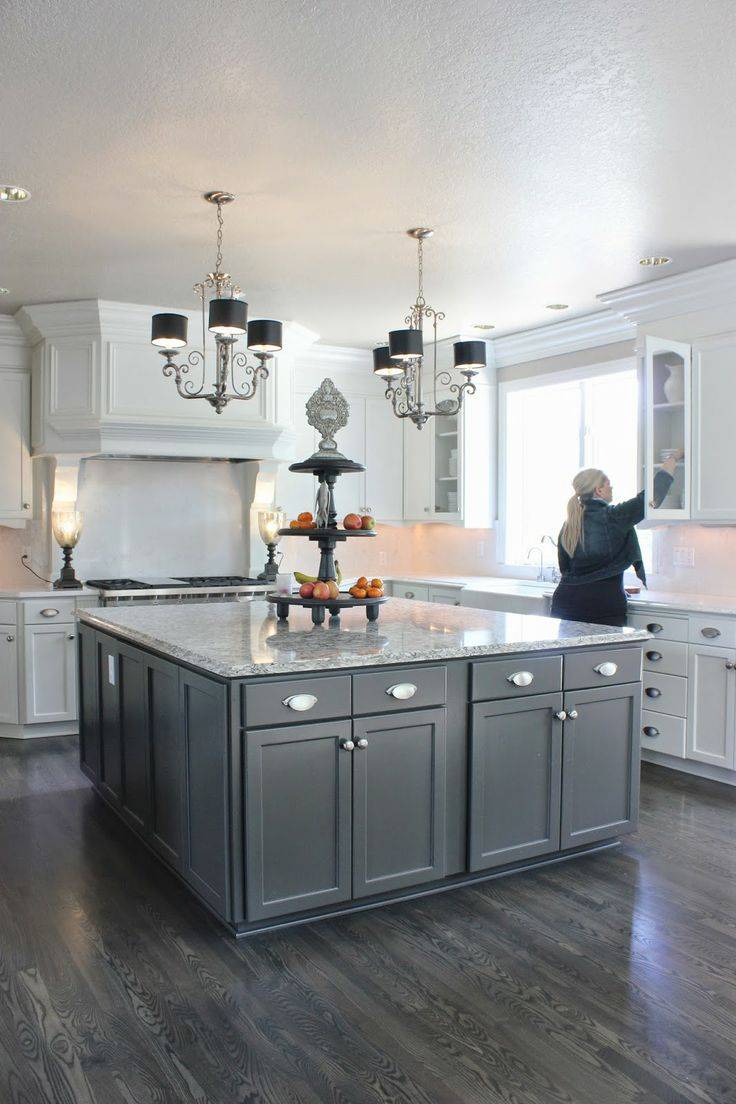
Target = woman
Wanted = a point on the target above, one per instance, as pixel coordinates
(598, 543)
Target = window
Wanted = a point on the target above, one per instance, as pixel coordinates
(550, 428)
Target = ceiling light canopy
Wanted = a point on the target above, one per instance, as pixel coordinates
(558, 306)
(484, 326)
(401, 361)
(227, 319)
(13, 193)
(648, 262)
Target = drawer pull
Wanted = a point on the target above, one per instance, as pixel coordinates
(654, 657)
(300, 702)
(572, 714)
(49, 612)
(710, 633)
(521, 678)
(654, 627)
(650, 731)
(607, 669)
(653, 692)
(402, 690)
(560, 715)
(346, 745)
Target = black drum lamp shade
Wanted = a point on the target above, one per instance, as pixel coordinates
(265, 336)
(405, 344)
(383, 365)
(228, 317)
(469, 355)
(169, 331)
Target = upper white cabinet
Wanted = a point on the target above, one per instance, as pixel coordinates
(667, 415)
(449, 464)
(15, 461)
(713, 437)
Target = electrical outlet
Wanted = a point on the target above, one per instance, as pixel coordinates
(480, 549)
(683, 557)
(381, 559)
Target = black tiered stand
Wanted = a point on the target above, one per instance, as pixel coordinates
(327, 470)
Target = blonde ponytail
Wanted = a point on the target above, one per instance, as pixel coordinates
(584, 485)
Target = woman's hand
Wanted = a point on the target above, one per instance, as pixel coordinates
(671, 462)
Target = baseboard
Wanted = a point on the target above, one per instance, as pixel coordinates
(689, 766)
(34, 731)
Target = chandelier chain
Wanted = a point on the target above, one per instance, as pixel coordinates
(420, 265)
(218, 260)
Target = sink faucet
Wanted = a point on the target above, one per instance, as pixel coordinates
(554, 570)
(540, 573)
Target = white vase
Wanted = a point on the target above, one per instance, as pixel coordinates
(674, 385)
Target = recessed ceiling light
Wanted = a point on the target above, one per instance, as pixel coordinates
(558, 306)
(647, 261)
(13, 193)
(484, 326)
(4, 291)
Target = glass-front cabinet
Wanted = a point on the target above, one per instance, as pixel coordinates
(667, 391)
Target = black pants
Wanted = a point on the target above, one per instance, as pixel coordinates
(599, 603)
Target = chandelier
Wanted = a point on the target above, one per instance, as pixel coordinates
(227, 320)
(401, 362)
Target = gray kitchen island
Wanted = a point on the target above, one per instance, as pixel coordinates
(286, 771)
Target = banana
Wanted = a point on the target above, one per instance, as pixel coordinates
(302, 578)
(338, 572)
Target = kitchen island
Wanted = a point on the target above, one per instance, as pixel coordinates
(289, 771)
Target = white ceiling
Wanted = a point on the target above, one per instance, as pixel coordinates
(549, 145)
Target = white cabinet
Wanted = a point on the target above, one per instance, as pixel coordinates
(711, 730)
(15, 462)
(667, 420)
(713, 438)
(50, 674)
(449, 464)
(384, 458)
(8, 674)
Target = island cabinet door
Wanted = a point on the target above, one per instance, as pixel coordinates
(297, 817)
(600, 763)
(133, 736)
(166, 759)
(515, 773)
(206, 845)
(89, 711)
(398, 800)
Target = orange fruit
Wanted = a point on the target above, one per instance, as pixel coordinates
(377, 583)
(304, 516)
(374, 592)
(362, 582)
(358, 592)
(294, 525)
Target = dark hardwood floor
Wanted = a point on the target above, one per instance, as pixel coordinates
(607, 980)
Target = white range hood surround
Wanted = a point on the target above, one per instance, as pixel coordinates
(98, 389)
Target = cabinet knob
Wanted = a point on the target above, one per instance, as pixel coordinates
(49, 612)
(572, 714)
(521, 678)
(402, 690)
(300, 702)
(650, 731)
(346, 745)
(653, 692)
(560, 715)
(710, 633)
(408, 593)
(362, 743)
(654, 628)
(729, 666)
(26, 505)
(10, 639)
(654, 657)
(71, 636)
(607, 669)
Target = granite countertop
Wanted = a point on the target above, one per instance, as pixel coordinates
(235, 640)
(42, 590)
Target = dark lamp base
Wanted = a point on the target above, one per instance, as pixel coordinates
(67, 579)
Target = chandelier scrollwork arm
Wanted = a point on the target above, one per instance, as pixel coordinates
(185, 387)
(252, 373)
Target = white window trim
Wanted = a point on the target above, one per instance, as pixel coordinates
(507, 387)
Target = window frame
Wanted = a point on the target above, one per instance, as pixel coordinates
(547, 379)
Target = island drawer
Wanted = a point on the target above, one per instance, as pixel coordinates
(295, 700)
(7, 612)
(664, 734)
(666, 657)
(668, 628)
(602, 666)
(665, 694)
(385, 691)
(516, 676)
(48, 611)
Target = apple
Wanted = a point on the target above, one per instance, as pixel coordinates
(352, 521)
(333, 588)
(367, 521)
(306, 590)
(321, 592)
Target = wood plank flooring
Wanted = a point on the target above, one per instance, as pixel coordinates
(605, 981)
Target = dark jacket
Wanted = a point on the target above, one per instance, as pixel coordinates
(610, 544)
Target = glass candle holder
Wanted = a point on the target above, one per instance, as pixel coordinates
(66, 523)
(269, 523)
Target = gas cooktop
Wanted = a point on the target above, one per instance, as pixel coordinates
(181, 583)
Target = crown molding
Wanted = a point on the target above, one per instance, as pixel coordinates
(343, 358)
(568, 336)
(667, 296)
(14, 349)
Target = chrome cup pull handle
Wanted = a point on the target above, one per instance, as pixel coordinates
(521, 678)
(49, 612)
(654, 657)
(300, 702)
(650, 731)
(402, 690)
(710, 633)
(607, 669)
(653, 627)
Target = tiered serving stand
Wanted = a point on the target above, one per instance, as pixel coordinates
(327, 470)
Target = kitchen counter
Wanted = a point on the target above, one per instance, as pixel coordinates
(236, 640)
(42, 590)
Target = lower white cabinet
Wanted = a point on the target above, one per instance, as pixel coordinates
(50, 673)
(711, 736)
(8, 674)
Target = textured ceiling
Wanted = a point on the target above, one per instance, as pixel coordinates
(549, 145)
